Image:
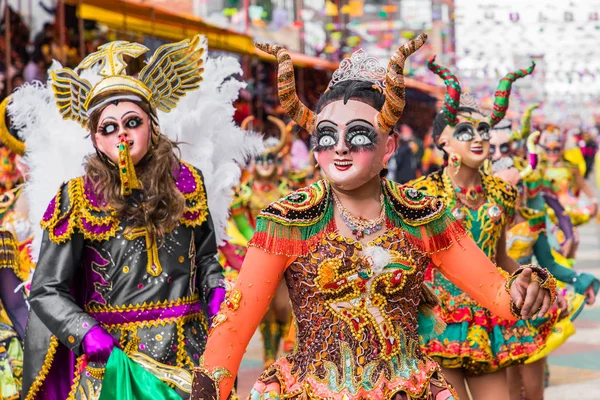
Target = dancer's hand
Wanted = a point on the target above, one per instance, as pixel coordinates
(590, 295)
(563, 305)
(527, 295)
(98, 344)
(215, 298)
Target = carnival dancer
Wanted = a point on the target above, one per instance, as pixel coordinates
(15, 268)
(503, 144)
(353, 249)
(14, 206)
(128, 256)
(526, 238)
(565, 180)
(13, 318)
(472, 350)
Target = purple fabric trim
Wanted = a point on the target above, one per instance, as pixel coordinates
(88, 192)
(191, 216)
(57, 384)
(62, 226)
(95, 229)
(50, 210)
(184, 180)
(121, 317)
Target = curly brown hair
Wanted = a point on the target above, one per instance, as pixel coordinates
(162, 203)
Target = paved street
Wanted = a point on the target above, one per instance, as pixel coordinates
(574, 367)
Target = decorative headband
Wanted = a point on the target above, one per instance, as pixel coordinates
(173, 70)
(283, 134)
(453, 90)
(394, 90)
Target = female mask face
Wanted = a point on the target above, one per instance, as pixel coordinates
(265, 166)
(554, 151)
(349, 148)
(123, 119)
(499, 144)
(470, 139)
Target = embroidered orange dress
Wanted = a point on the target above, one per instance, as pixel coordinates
(355, 304)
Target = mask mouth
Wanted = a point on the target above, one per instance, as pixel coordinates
(130, 144)
(342, 165)
(478, 150)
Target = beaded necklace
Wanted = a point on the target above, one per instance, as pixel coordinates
(360, 226)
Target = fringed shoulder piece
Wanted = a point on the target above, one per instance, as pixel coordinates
(535, 218)
(190, 183)
(291, 225)
(75, 207)
(413, 209)
(432, 184)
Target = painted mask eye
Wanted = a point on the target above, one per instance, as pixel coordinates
(360, 140)
(133, 123)
(465, 136)
(108, 129)
(326, 141)
(464, 132)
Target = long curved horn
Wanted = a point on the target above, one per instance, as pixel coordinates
(395, 93)
(503, 93)
(453, 90)
(247, 122)
(526, 121)
(283, 138)
(286, 87)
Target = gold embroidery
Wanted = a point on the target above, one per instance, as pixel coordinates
(41, 377)
(153, 266)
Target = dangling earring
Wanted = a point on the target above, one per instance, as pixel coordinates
(385, 165)
(455, 161)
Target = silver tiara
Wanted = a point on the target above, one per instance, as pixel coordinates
(359, 67)
(466, 100)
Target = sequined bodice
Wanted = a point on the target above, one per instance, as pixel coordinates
(356, 309)
(483, 223)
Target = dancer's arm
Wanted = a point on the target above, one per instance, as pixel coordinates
(237, 321)
(580, 281)
(209, 270)
(505, 261)
(469, 268)
(51, 297)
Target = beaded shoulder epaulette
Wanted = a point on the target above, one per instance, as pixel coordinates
(76, 208)
(292, 225)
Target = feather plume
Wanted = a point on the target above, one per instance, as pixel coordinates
(211, 141)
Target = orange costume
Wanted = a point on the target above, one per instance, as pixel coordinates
(356, 304)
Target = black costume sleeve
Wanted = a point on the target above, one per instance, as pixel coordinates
(209, 270)
(51, 296)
